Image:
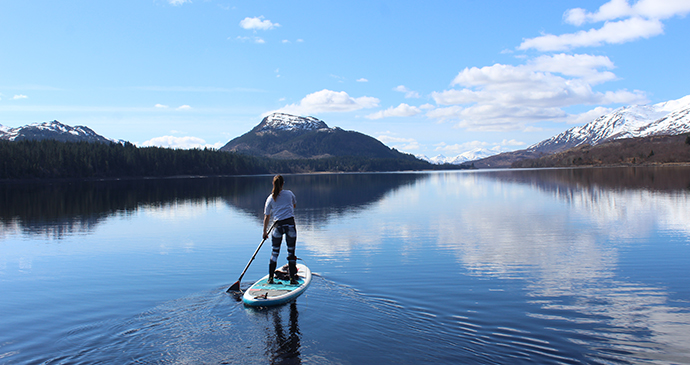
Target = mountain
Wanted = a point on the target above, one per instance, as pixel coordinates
(469, 156)
(637, 121)
(436, 160)
(668, 118)
(52, 130)
(286, 136)
(651, 150)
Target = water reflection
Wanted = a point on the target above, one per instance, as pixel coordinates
(282, 345)
(635, 199)
(662, 178)
(571, 266)
(323, 197)
(59, 209)
(572, 257)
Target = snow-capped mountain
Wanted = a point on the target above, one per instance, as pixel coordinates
(437, 160)
(52, 130)
(288, 136)
(472, 155)
(287, 122)
(667, 118)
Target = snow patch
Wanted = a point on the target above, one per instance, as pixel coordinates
(667, 118)
(288, 122)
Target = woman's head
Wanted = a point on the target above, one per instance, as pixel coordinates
(278, 182)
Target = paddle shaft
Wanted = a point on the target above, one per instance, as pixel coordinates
(236, 286)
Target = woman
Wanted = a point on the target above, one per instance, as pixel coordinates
(281, 206)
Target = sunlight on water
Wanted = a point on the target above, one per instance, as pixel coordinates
(481, 267)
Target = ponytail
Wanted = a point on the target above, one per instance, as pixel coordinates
(278, 182)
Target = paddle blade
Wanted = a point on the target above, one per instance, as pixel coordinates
(234, 287)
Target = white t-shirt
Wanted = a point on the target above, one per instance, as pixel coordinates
(281, 208)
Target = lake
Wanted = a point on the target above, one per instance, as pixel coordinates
(554, 266)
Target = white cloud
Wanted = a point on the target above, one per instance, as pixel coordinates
(611, 33)
(623, 23)
(512, 142)
(401, 144)
(588, 116)
(257, 23)
(178, 2)
(184, 107)
(615, 9)
(458, 148)
(17, 97)
(161, 106)
(493, 117)
(506, 97)
(408, 93)
(180, 142)
(402, 110)
(326, 101)
(362, 80)
(576, 65)
(257, 40)
(513, 86)
(339, 78)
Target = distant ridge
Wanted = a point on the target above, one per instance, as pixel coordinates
(668, 118)
(286, 136)
(652, 150)
(637, 121)
(472, 155)
(52, 130)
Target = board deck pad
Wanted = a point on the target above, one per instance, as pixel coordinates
(281, 291)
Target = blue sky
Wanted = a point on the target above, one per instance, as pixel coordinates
(432, 77)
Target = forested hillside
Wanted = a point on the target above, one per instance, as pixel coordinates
(654, 150)
(53, 159)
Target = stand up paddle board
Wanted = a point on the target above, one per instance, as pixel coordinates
(262, 294)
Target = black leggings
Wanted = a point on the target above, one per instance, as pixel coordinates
(284, 227)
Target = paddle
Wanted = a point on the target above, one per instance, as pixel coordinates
(236, 286)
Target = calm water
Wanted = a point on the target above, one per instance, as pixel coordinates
(491, 267)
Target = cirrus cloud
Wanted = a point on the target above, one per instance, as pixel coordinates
(408, 93)
(611, 33)
(402, 110)
(615, 9)
(623, 23)
(178, 2)
(399, 143)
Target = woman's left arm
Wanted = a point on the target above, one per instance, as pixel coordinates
(267, 219)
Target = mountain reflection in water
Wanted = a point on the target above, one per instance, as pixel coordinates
(503, 266)
(57, 209)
